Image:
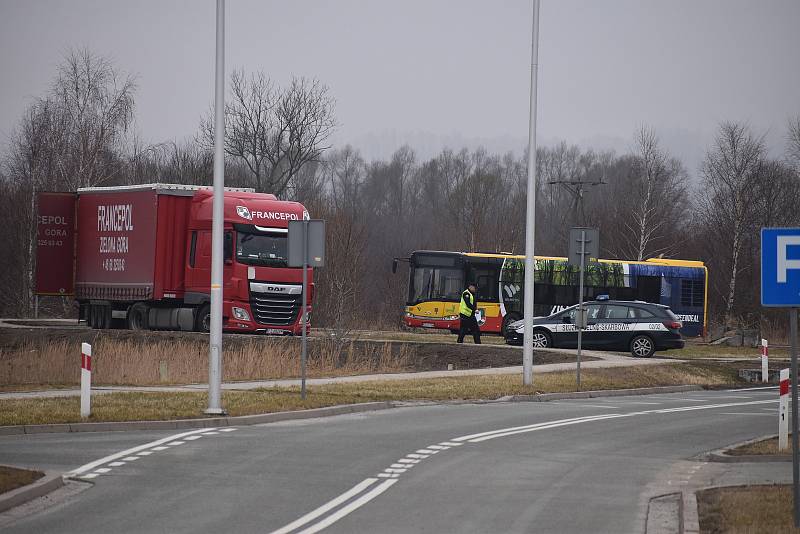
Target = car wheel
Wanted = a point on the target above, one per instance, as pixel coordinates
(642, 347)
(202, 321)
(541, 339)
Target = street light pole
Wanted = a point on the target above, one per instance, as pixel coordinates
(215, 330)
(530, 212)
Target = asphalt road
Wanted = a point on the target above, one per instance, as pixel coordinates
(566, 466)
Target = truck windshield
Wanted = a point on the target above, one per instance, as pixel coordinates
(261, 249)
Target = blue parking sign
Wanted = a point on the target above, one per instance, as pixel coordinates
(780, 267)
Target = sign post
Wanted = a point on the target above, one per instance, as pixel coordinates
(306, 249)
(780, 288)
(764, 360)
(783, 409)
(86, 380)
(583, 243)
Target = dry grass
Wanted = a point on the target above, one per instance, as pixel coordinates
(12, 478)
(158, 406)
(746, 510)
(763, 447)
(159, 361)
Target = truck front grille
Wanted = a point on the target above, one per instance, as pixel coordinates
(274, 308)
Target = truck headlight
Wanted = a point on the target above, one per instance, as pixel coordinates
(241, 314)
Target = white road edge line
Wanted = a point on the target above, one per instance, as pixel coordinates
(355, 490)
(358, 503)
(128, 452)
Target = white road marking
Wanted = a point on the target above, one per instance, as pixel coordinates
(426, 451)
(128, 452)
(402, 466)
(355, 490)
(102, 470)
(175, 443)
(438, 447)
(90, 476)
(116, 464)
(210, 433)
(131, 458)
(191, 438)
(145, 453)
(161, 448)
(227, 429)
(407, 461)
(345, 510)
(749, 389)
(451, 444)
(415, 455)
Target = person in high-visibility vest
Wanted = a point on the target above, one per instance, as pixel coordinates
(466, 313)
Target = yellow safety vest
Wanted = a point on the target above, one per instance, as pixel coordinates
(466, 302)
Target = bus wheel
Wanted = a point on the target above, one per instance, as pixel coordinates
(541, 339)
(642, 347)
(507, 320)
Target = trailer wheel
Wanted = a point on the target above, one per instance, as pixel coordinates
(105, 317)
(202, 321)
(137, 317)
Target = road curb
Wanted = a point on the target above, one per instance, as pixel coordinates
(544, 397)
(721, 455)
(179, 424)
(49, 482)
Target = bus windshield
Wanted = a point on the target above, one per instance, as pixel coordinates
(435, 278)
(261, 249)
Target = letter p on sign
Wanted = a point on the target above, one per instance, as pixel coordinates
(784, 264)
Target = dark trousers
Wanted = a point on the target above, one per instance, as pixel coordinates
(469, 325)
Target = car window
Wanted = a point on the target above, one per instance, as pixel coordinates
(643, 314)
(617, 311)
(592, 312)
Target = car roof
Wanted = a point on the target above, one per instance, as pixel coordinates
(624, 302)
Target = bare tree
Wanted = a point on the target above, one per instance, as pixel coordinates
(793, 148)
(274, 131)
(729, 173)
(656, 193)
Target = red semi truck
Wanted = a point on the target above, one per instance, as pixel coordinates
(143, 255)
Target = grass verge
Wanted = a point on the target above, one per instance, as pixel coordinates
(12, 478)
(746, 509)
(763, 447)
(159, 406)
(697, 350)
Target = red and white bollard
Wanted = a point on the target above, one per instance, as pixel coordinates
(783, 412)
(86, 380)
(764, 360)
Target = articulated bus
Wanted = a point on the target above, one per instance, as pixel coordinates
(436, 280)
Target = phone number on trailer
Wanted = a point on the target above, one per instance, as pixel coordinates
(114, 264)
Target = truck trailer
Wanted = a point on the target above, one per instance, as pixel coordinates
(143, 259)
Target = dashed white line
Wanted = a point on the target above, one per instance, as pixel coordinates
(426, 451)
(145, 453)
(135, 450)
(191, 438)
(116, 464)
(451, 444)
(227, 429)
(102, 470)
(160, 448)
(174, 443)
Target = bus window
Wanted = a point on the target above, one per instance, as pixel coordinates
(485, 278)
(435, 283)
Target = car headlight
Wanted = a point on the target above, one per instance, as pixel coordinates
(240, 314)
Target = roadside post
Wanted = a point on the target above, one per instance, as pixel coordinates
(86, 380)
(764, 360)
(780, 288)
(783, 408)
(306, 248)
(584, 244)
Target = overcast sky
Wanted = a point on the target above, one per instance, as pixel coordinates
(435, 72)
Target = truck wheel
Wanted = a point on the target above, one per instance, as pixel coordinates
(137, 317)
(202, 322)
(105, 317)
(91, 316)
